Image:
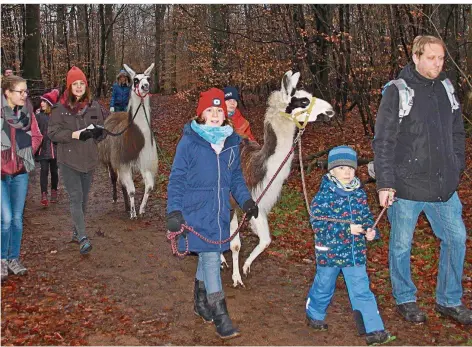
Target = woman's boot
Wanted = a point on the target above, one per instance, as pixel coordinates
(200, 302)
(224, 326)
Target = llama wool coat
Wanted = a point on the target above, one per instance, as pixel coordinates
(200, 185)
(335, 246)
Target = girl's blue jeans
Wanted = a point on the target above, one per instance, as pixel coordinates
(447, 224)
(361, 296)
(208, 271)
(14, 190)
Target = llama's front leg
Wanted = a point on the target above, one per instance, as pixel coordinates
(149, 186)
(235, 246)
(260, 227)
(127, 181)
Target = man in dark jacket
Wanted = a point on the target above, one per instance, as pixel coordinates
(419, 160)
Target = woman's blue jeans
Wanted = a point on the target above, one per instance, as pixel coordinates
(357, 283)
(14, 190)
(447, 224)
(208, 271)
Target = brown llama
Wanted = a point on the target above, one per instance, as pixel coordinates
(131, 145)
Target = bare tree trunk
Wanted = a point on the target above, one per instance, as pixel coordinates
(31, 57)
(87, 31)
(159, 12)
(101, 68)
(110, 46)
(448, 20)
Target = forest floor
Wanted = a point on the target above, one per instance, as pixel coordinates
(131, 290)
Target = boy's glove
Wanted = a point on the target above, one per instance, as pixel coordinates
(175, 221)
(251, 209)
(85, 135)
(112, 109)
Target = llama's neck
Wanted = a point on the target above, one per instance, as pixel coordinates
(143, 117)
(283, 129)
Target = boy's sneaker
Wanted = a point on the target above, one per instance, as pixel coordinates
(379, 337)
(4, 269)
(53, 196)
(459, 313)
(16, 267)
(85, 246)
(411, 312)
(318, 325)
(44, 199)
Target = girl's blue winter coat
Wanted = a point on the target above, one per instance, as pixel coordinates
(120, 95)
(200, 185)
(335, 246)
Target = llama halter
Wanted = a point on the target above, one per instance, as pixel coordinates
(293, 117)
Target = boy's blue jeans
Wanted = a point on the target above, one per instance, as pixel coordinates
(14, 190)
(361, 297)
(447, 224)
(208, 271)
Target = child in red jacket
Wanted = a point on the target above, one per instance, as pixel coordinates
(240, 124)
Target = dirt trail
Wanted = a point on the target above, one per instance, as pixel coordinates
(132, 291)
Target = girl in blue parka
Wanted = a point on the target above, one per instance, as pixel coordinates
(342, 246)
(206, 170)
(120, 94)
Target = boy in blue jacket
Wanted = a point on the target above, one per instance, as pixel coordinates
(206, 170)
(342, 246)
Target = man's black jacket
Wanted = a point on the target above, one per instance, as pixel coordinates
(421, 157)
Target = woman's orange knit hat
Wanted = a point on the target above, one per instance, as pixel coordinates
(75, 74)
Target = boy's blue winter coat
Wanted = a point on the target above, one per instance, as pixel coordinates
(335, 246)
(200, 184)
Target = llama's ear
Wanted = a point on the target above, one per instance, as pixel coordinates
(287, 86)
(294, 79)
(148, 70)
(129, 70)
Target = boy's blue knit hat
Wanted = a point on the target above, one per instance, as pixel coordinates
(342, 156)
(231, 93)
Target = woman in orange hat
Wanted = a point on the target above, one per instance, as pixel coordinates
(76, 125)
(47, 152)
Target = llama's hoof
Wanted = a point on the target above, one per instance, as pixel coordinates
(223, 262)
(246, 269)
(237, 280)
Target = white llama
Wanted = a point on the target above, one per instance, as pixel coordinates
(130, 145)
(259, 163)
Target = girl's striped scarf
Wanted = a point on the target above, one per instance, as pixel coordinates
(18, 118)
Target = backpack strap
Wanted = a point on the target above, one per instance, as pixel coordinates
(406, 96)
(450, 93)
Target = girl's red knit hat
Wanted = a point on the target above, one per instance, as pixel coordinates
(75, 74)
(213, 97)
(51, 97)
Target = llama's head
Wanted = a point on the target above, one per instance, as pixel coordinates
(141, 81)
(300, 103)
